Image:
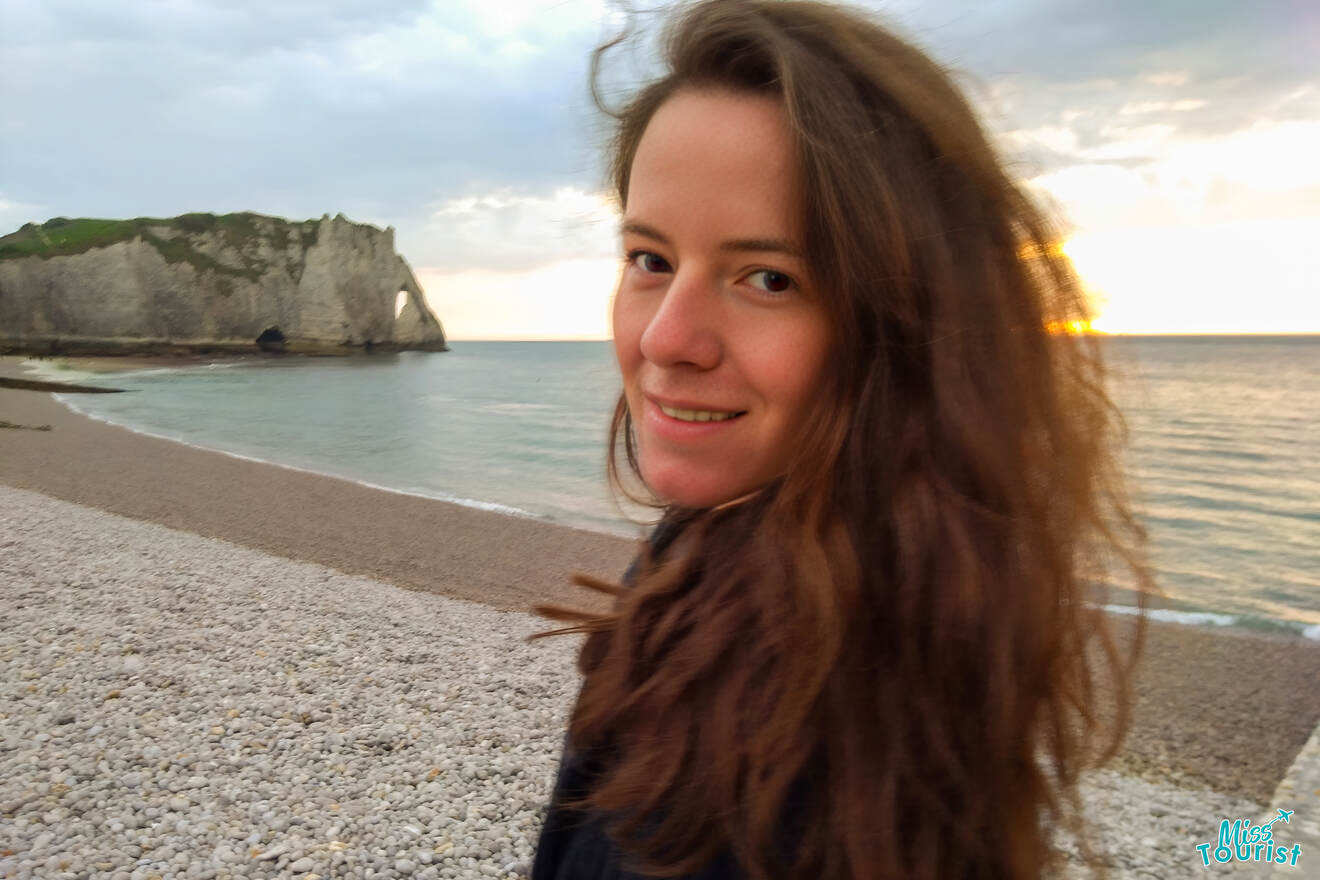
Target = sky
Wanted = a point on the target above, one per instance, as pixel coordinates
(1176, 143)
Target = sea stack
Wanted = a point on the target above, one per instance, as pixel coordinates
(208, 283)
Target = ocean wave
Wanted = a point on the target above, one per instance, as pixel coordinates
(57, 371)
(1215, 618)
(491, 506)
(61, 371)
(517, 408)
(1187, 618)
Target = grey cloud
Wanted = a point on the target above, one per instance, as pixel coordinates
(1047, 59)
(111, 113)
(125, 109)
(236, 28)
(1077, 40)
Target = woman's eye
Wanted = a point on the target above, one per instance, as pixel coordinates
(771, 281)
(648, 262)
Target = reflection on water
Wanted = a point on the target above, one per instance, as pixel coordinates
(1227, 466)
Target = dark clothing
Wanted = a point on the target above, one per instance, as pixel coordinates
(574, 845)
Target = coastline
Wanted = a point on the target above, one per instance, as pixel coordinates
(1114, 598)
(125, 363)
(1215, 711)
(418, 543)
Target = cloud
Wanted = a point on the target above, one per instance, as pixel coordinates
(1259, 174)
(467, 125)
(1238, 276)
(1212, 234)
(515, 232)
(569, 298)
(14, 214)
(294, 108)
(1082, 64)
(1171, 79)
(1144, 107)
(380, 107)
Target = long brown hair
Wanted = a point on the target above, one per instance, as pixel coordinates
(889, 663)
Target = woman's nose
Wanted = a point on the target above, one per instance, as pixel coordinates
(685, 328)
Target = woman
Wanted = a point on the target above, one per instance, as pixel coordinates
(862, 643)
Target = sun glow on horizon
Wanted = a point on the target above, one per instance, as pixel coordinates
(1072, 328)
(566, 300)
(1230, 278)
(1211, 235)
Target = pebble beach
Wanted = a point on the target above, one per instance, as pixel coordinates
(214, 668)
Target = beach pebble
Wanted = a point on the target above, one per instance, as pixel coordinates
(281, 720)
(269, 718)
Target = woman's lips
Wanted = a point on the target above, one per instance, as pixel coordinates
(682, 426)
(697, 414)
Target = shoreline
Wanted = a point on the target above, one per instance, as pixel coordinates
(166, 360)
(415, 542)
(1228, 712)
(1113, 598)
(472, 504)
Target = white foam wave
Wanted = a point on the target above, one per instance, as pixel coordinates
(1211, 618)
(61, 371)
(1189, 618)
(148, 371)
(516, 407)
(492, 506)
(53, 371)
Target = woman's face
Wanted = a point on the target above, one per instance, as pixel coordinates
(720, 338)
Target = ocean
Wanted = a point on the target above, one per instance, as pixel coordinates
(1223, 450)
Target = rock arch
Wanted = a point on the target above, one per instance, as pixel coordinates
(415, 326)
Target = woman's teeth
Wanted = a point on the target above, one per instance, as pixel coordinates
(697, 415)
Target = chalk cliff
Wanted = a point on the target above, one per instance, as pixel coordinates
(200, 282)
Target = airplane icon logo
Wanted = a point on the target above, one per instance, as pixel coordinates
(1285, 815)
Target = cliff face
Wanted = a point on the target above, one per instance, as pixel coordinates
(237, 282)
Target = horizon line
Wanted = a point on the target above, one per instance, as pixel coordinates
(1124, 333)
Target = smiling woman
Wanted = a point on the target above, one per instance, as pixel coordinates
(719, 339)
(859, 644)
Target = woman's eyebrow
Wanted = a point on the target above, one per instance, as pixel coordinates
(737, 245)
(632, 227)
(777, 245)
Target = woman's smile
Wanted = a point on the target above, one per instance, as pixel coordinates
(688, 424)
(698, 413)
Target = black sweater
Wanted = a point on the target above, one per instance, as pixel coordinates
(573, 844)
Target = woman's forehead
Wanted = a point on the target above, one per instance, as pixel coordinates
(717, 126)
(717, 156)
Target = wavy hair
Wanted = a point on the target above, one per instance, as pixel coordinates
(891, 662)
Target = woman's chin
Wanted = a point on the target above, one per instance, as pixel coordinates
(693, 491)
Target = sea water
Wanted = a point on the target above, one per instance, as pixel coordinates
(1224, 458)
(1223, 450)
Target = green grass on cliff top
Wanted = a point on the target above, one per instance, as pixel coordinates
(63, 237)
